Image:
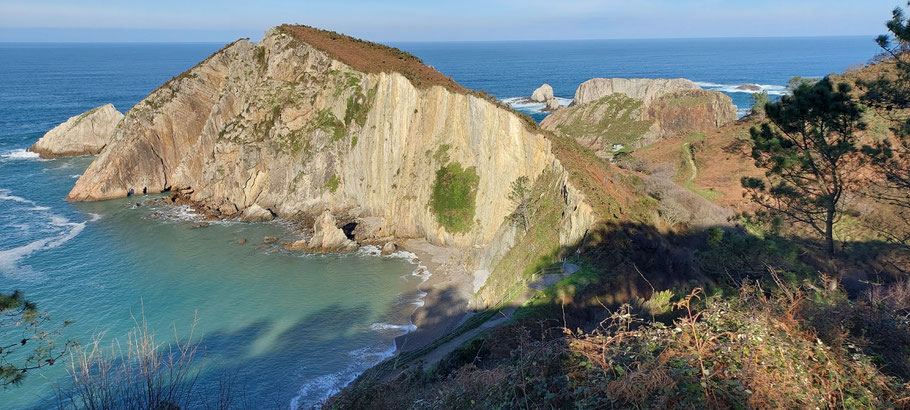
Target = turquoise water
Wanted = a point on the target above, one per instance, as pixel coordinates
(289, 328)
(286, 327)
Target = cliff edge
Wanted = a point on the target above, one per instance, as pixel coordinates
(308, 120)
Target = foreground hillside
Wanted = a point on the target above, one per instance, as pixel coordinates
(686, 299)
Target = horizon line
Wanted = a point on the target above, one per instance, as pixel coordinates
(870, 36)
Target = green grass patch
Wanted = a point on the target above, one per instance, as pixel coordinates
(453, 197)
(332, 184)
(618, 122)
(329, 123)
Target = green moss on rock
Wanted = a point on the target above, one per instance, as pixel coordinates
(454, 192)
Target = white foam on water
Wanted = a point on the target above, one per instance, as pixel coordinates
(314, 392)
(728, 88)
(389, 326)
(10, 258)
(19, 154)
(74, 176)
(62, 230)
(94, 217)
(369, 250)
(5, 195)
(526, 105)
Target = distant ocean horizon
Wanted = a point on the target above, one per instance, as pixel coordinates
(292, 327)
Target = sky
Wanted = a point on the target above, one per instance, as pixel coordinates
(439, 20)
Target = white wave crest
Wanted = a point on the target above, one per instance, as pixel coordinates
(19, 154)
(388, 326)
(524, 104)
(314, 392)
(744, 88)
(10, 258)
(59, 229)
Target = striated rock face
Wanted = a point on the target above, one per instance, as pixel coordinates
(643, 89)
(638, 112)
(542, 93)
(283, 126)
(84, 134)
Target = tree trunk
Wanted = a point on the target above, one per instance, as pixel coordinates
(829, 233)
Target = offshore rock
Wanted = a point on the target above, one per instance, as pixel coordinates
(542, 93)
(84, 134)
(633, 113)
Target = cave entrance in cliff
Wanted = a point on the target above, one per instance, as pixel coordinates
(348, 229)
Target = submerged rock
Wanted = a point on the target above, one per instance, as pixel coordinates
(84, 134)
(749, 87)
(542, 93)
(269, 239)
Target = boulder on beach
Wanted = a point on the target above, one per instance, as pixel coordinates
(256, 213)
(328, 237)
(542, 93)
(85, 134)
(389, 248)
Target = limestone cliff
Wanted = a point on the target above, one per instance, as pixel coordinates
(84, 134)
(288, 127)
(612, 114)
(643, 89)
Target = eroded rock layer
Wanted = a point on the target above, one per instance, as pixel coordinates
(284, 127)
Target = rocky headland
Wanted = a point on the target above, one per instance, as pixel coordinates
(608, 115)
(84, 134)
(332, 131)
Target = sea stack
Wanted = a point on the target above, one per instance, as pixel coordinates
(85, 134)
(542, 93)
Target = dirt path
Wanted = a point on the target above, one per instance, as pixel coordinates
(503, 316)
(691, 161)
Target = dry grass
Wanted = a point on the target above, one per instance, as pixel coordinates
(143, 374)
(370, 57)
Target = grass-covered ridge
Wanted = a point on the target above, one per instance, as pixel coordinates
(454, 192)
(616, 122)
(370, 57)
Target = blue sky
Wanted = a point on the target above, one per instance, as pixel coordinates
(428, 20)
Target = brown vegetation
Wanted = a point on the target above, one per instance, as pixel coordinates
(370, 57)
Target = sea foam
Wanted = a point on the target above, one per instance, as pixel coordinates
(727, 88)
(19, 154)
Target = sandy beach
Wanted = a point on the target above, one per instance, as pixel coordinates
(448, 291)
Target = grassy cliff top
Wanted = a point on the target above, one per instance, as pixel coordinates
(370, 57)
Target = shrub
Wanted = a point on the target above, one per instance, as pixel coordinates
(453, 197)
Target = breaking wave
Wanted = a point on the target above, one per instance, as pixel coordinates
(19, 154)
(744, 88)
(321, 388)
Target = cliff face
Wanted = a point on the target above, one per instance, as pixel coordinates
(286, 127)
(642, 89)
(84, 134)
(610, 114)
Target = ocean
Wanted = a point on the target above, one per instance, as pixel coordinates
(292, 328)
